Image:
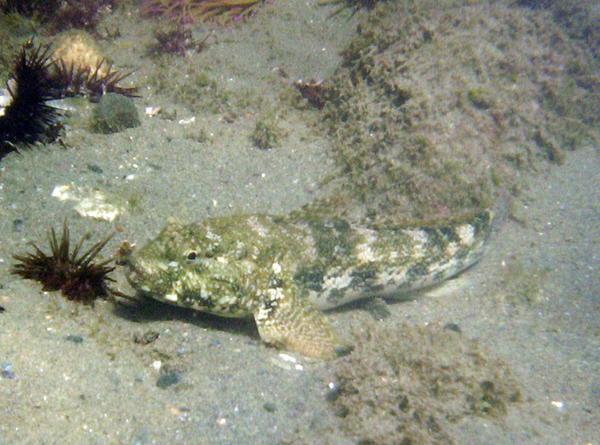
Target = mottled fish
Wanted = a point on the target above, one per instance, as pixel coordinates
(283, 270)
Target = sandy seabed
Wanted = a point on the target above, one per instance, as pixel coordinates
(72, 374)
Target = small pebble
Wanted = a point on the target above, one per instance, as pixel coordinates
(18, 224)
(453, 327)
(95, 168)
(168, 379)
(74, 338)
(152, 111)
(145, 338)
(270, 407)
(344, 350)
(333, 391)
(342, 411)
(558, 405)
(7, 371)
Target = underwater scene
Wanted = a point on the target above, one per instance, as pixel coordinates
(285, 222)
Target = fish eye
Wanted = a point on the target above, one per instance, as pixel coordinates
(192, 255)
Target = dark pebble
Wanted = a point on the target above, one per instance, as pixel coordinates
(344, 350)
(453, 327)
(95, 168)
(333, 393)
(168, 379)
(270, 407)
(74, 338)
(18, 224)
(145, 338)
(342, 411)
(6, 371)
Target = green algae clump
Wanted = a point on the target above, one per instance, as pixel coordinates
(408, 385)
(114, 113)
(267, 132)
(437, 105)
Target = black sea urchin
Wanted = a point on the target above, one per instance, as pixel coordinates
(75, 274)
(28, 118)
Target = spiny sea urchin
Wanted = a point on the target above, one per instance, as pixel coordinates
(75, 274)
(28, 118)
(39, 76)
(191, 11)
(79, 68)
(74, 80)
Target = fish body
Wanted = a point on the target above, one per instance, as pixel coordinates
(284, 270)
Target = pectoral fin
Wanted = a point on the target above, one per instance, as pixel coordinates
(288, 322)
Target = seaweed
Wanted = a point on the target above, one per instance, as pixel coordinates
(185, 12)
(60, 15)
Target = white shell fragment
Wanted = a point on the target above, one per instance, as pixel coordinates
(152, 111)
(287, 362)
(89, 202)
(189, 120)
(558, 405)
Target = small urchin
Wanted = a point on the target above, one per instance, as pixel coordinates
(78, 276)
